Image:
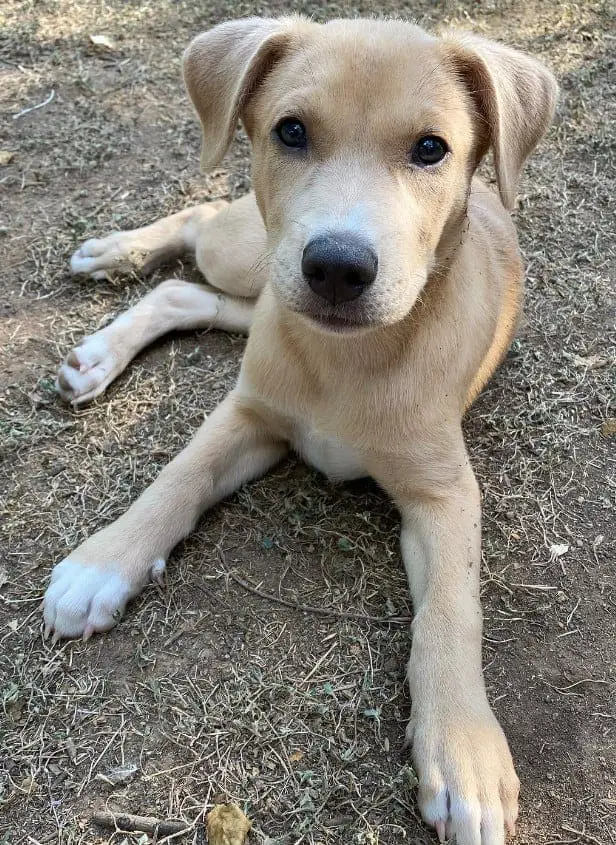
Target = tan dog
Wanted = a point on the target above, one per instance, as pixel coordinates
(390, 283)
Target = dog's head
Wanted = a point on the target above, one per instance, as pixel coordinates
(365, 137)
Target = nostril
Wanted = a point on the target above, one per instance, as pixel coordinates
(355, 279)
(318, 274)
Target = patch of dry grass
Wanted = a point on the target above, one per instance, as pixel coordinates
(207, 689)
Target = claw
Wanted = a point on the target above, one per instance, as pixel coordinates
(440, 829)
(510, 825)
(47, 631)
(88, 631)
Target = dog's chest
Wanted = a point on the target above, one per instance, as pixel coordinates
(332, 456)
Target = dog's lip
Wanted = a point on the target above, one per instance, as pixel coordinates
(334, 323)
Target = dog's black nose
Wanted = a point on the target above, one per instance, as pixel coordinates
(339, 267)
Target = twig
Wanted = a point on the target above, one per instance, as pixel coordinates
(322, 611)
(144, 824)
(540, 587)
(581, 833)
(583, 681)
(39, 106)
(321, 660)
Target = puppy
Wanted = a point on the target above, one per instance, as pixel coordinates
(381, 283)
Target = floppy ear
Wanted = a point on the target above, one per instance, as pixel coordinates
(515, 96)
(222, 68)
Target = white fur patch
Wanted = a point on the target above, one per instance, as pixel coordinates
(97, 255)
(85, 259)
(82, 599)
(331, 456)
(88, 369)
(92, 350)
(355, 220)
(436, 808)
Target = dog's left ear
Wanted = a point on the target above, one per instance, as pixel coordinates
(515, 97)
(223, 67)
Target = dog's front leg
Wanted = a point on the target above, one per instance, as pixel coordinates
(467, 782)
(89, 588)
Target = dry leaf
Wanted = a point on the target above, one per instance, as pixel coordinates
(6, 156)
(558, 550)
(71, 749)
(3, 576)
(121, 775)
(296, 756)
(227, 825)
(591, 362)
(608, 427)
(103, 41)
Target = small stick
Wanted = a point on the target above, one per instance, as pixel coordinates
(39, 106)
(321, 611)
(144, 824)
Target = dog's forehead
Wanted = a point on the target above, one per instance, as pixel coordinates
(370, 64)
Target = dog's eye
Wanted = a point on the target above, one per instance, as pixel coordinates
(429, 150)
(292, 133)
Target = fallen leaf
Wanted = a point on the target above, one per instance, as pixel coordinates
(13, 625)
(3, 576)
(558, 550)
(591, 362)
(372, 713)
(408, 777)
(71, 749)
(608, 427)
(296, 756)
(121, 775)
(6, 156)
(227, 825)
(103, 41)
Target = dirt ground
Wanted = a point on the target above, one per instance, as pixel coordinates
(211, 689)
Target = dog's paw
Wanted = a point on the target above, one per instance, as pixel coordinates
(99, 255)
(83, 599)
(89, 368)
(467, 783)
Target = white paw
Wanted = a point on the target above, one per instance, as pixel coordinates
(98, 255)
(88, 369)
(468, 787)
(83, 599)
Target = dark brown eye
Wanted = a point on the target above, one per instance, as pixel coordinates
(429, 150)
(292, 133)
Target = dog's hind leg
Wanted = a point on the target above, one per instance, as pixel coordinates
(230, 249)
(229, 243)
(144, 249)
(227, 238)
(174, 304)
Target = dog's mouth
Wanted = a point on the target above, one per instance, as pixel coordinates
(336, 324)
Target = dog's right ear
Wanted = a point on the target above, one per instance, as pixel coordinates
(222, 68)
(515, 97)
